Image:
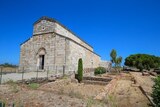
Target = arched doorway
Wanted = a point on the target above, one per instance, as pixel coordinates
(41, 58)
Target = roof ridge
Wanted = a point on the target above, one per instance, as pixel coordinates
(53, 20)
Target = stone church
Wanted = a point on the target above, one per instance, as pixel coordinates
(53, 46)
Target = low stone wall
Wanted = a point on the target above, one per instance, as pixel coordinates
(97, 79)
(37, 80)
(108, 88)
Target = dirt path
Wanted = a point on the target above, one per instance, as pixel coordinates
(145, 81)
(126, 94)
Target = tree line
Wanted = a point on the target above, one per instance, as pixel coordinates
(8, 65)
(142, 61)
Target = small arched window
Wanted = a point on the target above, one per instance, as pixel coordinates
(41, 51)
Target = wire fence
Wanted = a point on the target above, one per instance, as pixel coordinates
(23, 73)
(35, 72)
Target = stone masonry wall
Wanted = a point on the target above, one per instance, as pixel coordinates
(60, 30)
(90, 60)
(55, 47)
(106, 64)
(43, 26)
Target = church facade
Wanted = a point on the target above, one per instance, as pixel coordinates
(54, 47)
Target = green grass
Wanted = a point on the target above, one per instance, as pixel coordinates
(33, 86)
(90, 102)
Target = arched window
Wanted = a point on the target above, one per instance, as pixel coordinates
(41, 51)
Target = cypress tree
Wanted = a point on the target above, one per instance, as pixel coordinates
(80, 70)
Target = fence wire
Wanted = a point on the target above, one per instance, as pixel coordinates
(23, 73)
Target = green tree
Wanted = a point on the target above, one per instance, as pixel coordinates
(113, 55)
(143, 61)
(140, 66)
(156, 92)
(116, 60)
(119, 61)
(80, 70)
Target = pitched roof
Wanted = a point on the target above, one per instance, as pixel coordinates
(53, 20)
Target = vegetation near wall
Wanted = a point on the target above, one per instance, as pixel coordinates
(156, 92)
(80, 70)
(99, 70)
(143, 61)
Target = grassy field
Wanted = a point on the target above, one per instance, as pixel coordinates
(9, 69)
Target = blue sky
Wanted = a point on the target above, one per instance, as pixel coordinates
(129, 26)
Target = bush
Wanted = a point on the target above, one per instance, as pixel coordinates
(156, 92)
(80, 70)
(100, 70)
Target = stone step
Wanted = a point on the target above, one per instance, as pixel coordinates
(94, 82)
(97, 79)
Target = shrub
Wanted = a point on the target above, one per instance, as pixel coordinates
(100, 70)
(156, 92)
(80, 70)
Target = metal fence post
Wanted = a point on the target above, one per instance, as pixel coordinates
(1, 76)
(63, 70)
(56, 70)
(47, 72)
(22, 74)
(37, 75)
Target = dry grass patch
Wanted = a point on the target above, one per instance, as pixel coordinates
(73, 89)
